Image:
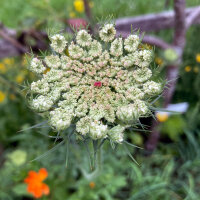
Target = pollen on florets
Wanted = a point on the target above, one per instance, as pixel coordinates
(101, 86)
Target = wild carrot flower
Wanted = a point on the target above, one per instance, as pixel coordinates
(103, 86)
(35, 184)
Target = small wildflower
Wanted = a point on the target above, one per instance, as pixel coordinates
(92, 185)
(198, 57)
(188, 68)
(79, 6)
(162, 116)
(8, 61)
(2, 68)
(35, 184)
(19, 78)
(2, 96)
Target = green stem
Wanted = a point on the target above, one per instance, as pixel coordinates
(99, 159)
(97, 166)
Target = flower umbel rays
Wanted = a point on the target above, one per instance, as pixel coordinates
(102, 86)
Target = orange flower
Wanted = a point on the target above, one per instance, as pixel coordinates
(92, 185)
(35, 185)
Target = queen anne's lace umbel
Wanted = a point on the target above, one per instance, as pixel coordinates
(101, 86)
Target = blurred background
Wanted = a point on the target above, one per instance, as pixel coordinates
(169, 162)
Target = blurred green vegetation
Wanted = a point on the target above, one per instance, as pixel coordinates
(172, 172)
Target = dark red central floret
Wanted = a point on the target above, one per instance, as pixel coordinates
(98, 84)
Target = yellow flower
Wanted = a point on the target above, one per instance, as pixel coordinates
(2, 96)
(8, 61)
(2, 68)
(188, 68)
(79, 6)
(158, 61)
(162, 116)
(198, 57)
(19, 78)
(72, 14)
(196, 69)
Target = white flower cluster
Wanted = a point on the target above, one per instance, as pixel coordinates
(107, 33)
(36, 66)
(96, 86)
(58, 43)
